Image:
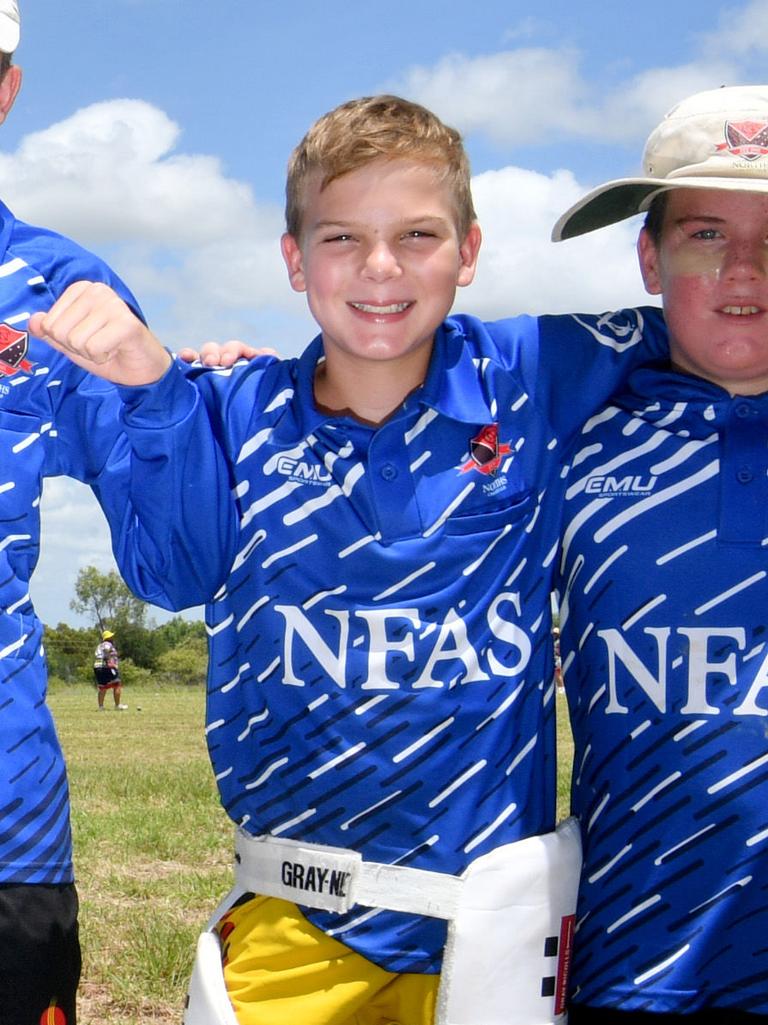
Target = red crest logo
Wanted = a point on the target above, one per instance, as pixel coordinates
(485, 451)
(13, 350)
(746, 139)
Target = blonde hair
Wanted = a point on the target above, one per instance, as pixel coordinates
(371, 128)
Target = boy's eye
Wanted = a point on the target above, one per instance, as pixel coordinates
(338, 238)
(706, 234)
(419, 233)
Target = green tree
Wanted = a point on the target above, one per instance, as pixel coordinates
(70, 652)
(178, 631)
(187, 663)
(106, 600)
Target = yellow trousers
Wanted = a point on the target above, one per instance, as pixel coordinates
(281, 970)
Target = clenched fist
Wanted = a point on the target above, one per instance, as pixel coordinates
(92, 325)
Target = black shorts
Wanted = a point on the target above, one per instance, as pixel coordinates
(106, 676)
(578, 1014)
(39, 954)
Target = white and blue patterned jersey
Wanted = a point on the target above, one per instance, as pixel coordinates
(37, 389)
(663, 640)
(380, 656)
(54, 419)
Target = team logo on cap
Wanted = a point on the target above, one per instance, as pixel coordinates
(747, 139)
(485, 451)
(13, 350)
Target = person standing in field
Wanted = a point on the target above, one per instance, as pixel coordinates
(106, 669)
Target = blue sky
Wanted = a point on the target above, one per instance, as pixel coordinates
(156, 132)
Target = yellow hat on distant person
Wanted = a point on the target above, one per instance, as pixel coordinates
(106, 635)
(10, 24)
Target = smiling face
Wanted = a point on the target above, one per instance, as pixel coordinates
(711, 265)
(380, 259)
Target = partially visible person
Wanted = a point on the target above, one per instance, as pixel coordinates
(106, 669)
(54, 420)
(381, 674)
(558, 660)
(664, 602)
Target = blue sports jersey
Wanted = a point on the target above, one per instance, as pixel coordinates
(54, 419)
(665, 591)
(380, 656)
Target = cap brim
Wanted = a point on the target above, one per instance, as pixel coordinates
(617, 200)
(614, 201)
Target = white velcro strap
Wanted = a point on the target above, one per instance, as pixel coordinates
(335, 879)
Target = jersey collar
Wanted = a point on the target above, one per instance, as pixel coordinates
(453, 388)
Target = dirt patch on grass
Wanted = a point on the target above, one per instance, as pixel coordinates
(96, 1006)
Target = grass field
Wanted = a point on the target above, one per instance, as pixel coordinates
(152, 846)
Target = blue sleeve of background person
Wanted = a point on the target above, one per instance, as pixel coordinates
(572, 363)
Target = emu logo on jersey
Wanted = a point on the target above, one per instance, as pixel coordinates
(747, 139)
(13, 349)
(625, 487)
(485, 451)
(304, 472)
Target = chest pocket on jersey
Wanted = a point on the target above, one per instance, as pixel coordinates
(494, 517)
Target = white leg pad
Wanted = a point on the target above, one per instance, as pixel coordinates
(508, 951)
(207, 1000)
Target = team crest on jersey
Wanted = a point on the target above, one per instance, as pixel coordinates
(13, 350)
(485, 452)
(746, 139)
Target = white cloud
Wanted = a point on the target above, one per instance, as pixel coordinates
(109, 171)
(741, 31)
(201, 253)
(74, 535)
(532, 95)
(515, 96)
(521, 271)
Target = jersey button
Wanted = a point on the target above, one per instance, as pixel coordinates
(743, 410)
(389, 471)
(744, 475)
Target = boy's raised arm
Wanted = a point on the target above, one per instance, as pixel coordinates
(165, 486)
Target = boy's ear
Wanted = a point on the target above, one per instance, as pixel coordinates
(468, 253)
(294, 262)
(648, 257)
(9, 90)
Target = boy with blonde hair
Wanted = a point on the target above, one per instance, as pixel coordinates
(380, 706)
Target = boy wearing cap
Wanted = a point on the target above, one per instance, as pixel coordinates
(381, 658)
(664, 593)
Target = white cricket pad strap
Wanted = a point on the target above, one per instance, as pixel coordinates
(335, 879)
(510, 921)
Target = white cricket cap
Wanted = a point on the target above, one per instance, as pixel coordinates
(713, 140)
(10, 25)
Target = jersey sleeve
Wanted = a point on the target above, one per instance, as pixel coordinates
(176, 540)
(571, 364)
(88, 441)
